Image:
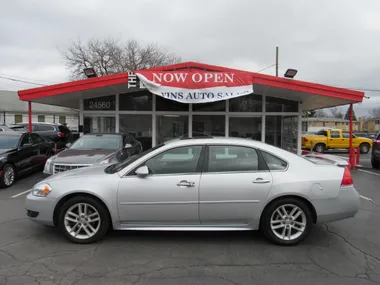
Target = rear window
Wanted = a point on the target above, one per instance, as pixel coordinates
(322, 133)
(44, 128)
(274, 162)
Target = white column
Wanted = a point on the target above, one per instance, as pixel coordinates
(263, 120)
(81, 117)
(154, 122)
(117, 123)
(299, 131)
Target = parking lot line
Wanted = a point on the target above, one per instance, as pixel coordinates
(369, 172)
(365, 198)
(20, 194)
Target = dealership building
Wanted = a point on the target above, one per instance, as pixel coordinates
(166, 102)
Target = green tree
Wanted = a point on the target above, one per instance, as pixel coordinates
(347, 116)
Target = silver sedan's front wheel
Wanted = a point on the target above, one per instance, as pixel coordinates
(286, 221)
(84, 219)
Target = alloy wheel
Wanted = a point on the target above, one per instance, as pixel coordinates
(82, 221)
(288, 222)
(9, 175)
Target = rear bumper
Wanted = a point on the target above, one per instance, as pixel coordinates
(343, 206)
(375, 155)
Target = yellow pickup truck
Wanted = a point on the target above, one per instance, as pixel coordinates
(334, 139)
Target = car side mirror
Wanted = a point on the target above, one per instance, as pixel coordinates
(128, 145)
(68, 145)
(142, 171)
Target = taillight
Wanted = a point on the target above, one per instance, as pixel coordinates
(305, 140)
(376, 142)
(61, 135)
(347, 178)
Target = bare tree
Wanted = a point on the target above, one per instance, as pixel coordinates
(375, 112)
(320, 113)
(336, 113)
(109, 56)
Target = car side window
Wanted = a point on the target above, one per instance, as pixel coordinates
(274, 162)
(45, 128)
(335, 135)
(37, 139)
(174, 161)
(232, 158)
(25, 140)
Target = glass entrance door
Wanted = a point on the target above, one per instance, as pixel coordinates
(245, 127)
(98, 124)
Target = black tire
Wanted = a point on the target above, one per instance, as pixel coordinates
(364, 148)
(375, 164)
(265, 225)
(103, 214)
(320, 147)
(2, 176)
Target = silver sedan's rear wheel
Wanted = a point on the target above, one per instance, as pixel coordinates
(287, 221)
(84, 219)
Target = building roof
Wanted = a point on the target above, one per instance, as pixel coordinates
(312, 95)
(326, 119)
(10, 102)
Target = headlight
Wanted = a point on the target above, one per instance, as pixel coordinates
(48, 165)
(41, 190)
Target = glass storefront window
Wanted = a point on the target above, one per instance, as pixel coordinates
(273, 126)
(136, 101)
(218, 106)
(98, 124)
(245, 127)
(139, 126)
(248, 103)
(171, 126)
(289, 133)
(163, 104)
(209, 124)
(280, 105)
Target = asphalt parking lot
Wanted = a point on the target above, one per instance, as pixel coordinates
(344, 252)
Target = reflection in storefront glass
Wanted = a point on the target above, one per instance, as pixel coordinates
(171, 126)
(245, 128)
(209, 125)
(139, 126)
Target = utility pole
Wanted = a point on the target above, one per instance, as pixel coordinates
(277, 61)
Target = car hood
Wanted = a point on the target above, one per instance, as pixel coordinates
(85, 171)
(75, 156)
(4, 151)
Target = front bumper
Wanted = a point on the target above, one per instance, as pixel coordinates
(40, 209)
(343, 206)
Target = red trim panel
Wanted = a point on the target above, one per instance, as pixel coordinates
(262, 79)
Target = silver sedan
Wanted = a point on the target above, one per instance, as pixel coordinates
(202, 184)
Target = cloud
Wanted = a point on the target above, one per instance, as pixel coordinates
(331, 42)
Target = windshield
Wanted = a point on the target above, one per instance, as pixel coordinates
(97, 142)
(119, 166)
(7, 142)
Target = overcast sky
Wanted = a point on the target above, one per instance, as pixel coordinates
(329, 42)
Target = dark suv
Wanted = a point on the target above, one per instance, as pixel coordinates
(375, 157)
(59, 134)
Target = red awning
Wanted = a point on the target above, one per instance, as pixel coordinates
(312, 95)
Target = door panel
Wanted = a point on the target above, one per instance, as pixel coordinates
(157, 199)
(232, 198)
(335, 140)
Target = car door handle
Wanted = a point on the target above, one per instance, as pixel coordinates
(185, 183)
(261, 181)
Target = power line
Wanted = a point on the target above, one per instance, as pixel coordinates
(266, 68)
(23, 81)
(27, 79)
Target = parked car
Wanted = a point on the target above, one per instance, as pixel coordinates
(59, 134)
(21, 153)
(335, 139)
(93, 149)
(197, 184)
(371, 136)
(375, 156)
